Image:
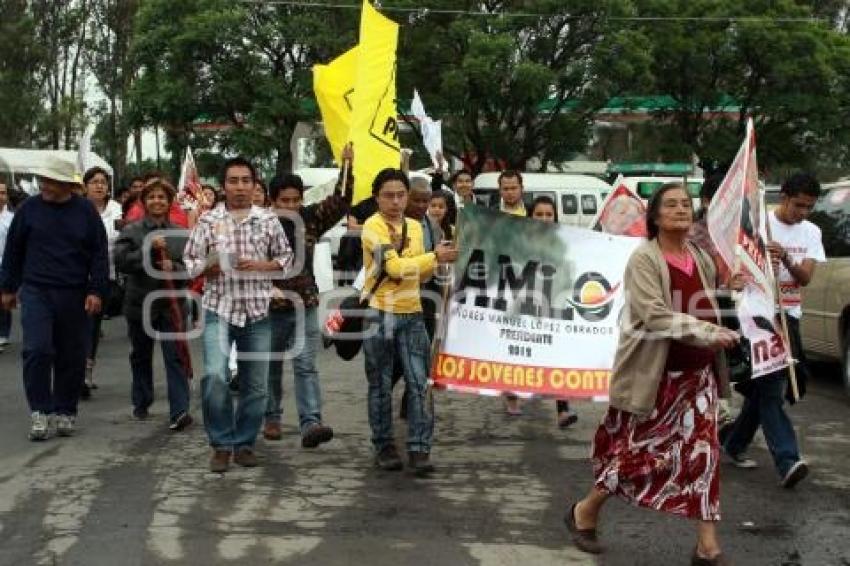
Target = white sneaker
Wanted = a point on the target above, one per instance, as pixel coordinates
(740, 461)
(4, 342)
(796, 474)
(65, 425)
(39, 426)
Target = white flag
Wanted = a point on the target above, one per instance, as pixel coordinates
(84, 152)
(432, 131)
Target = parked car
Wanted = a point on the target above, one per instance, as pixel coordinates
(825, 326)
(578, 196)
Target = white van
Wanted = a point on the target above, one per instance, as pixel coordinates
(578, 197)
(645, 186)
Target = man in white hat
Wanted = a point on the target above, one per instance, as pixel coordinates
(55, 263)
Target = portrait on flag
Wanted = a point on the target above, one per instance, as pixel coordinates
(738, 227)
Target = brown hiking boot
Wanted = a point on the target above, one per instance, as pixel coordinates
(420, 464)
(245, 457)
(316, 434)
(388, 459)
(271, 430)
(220, 461)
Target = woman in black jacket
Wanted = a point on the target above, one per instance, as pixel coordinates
(150, 252)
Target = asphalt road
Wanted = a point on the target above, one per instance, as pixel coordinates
(126, 492)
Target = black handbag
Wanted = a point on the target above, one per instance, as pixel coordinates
(344, 327)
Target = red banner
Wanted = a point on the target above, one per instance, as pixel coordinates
(562, 383)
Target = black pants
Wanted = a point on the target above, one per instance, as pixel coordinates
(55, 344)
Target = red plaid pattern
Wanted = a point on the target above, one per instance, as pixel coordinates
(239, 297)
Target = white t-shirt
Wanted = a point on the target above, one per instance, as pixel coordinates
(111, 212)
(802, 241)
(6, 216)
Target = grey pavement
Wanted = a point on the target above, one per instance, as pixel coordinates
(127, 492)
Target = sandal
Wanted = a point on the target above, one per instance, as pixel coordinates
(718, 560)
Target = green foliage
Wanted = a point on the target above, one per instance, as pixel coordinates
(20, 53)
(783, 73)
(488, 77)
(246, 69)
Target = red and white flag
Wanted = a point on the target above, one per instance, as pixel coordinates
(189, 189)
(737, 224)
(623, 213)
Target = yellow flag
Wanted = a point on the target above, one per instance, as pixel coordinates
(374, 125)
(333, 85)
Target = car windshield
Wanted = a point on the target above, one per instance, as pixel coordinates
(832, 216)
(646, 188)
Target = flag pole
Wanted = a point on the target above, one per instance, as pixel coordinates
(783, 318)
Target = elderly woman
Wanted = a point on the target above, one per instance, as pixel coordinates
(657, 446)
(150, 252)
(96, 184)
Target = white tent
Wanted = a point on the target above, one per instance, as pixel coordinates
(22, 161)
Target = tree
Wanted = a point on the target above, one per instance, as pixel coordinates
(244, 69)
(109, 57)
(511, 86)
(762, 57)
(20, 89)
(61, 28)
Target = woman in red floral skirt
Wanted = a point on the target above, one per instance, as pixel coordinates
(657, 446)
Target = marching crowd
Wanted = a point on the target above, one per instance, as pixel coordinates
(71, 255)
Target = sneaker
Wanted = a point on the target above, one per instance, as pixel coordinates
(39, 426)
(85, 392)
(740, 461)
(388, 459)
(4, 341)
(219, 461)
(795, 475)
(180, 422)
(316, 434)
(271, 430)
(90, 378)
(140, 413)
(65, 425)
(245, 457)
(420, 464)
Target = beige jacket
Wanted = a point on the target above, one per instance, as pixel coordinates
(649, 324)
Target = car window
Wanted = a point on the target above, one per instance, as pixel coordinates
(529, 196)
(588, 204)
(569, 204)
(832, 216)
(645, 189)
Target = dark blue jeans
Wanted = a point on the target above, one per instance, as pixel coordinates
(55, 343)
(763, 406)
(298, 342)
(141, 364)
(404, 334)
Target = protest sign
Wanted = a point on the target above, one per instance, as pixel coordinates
(432, 131)
(189, 189)
(535, 307)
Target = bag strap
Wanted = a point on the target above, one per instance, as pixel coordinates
(382, 275)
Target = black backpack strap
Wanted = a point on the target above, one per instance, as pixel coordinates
(382, 275)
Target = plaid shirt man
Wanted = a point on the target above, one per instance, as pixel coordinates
(236, 296)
